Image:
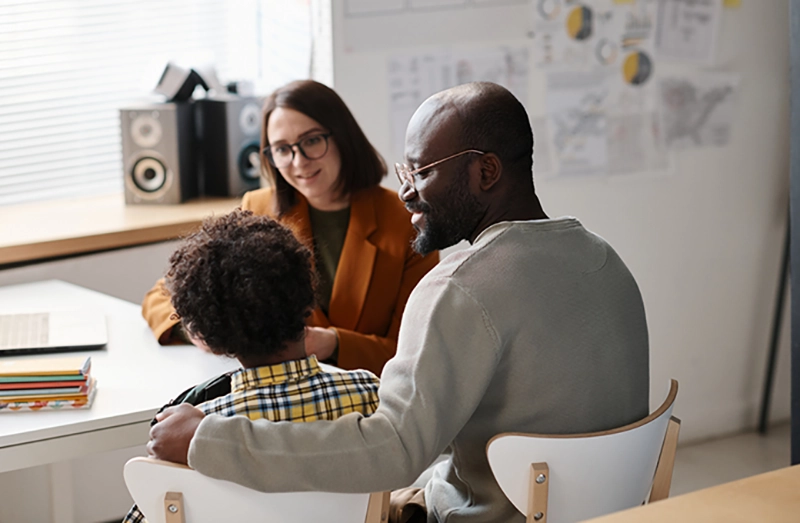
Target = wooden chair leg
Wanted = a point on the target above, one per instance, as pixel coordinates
(173, 508)
(378, 508)
(538, 492)
(662, 479)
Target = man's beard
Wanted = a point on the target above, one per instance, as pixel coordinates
(448, 221)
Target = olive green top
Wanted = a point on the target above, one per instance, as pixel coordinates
(329, 229)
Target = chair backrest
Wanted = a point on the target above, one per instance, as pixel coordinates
(563, 478)
(170, 493)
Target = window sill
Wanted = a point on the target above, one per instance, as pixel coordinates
(38, 231)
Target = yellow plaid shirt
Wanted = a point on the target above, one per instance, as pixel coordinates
(297, 390)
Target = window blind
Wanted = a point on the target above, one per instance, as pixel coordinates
(68, 66)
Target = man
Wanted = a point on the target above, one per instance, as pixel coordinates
(538, 326)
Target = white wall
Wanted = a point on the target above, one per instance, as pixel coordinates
(704, 242)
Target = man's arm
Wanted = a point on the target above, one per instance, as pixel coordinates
(170, 437)
(446, 359)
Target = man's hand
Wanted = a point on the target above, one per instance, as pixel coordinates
(171, 436)
(321, 342)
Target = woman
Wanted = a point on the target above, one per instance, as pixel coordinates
(325, 178)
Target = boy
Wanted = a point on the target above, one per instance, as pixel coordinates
(243, 286)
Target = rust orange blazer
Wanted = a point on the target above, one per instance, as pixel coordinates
(377, 271)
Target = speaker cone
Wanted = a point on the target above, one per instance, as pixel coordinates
(149, 174)
(250, 162)
(250, 119)
(146, 130)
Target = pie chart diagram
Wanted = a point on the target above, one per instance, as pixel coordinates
(579, 23)
(606, 51)
(637, 68)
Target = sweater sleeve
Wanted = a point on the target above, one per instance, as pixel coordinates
(371, 352)
(447, 349)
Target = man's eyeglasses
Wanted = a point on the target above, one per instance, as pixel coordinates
(406, 175)
(311, 147)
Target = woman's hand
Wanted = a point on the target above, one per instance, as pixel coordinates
(321, 342)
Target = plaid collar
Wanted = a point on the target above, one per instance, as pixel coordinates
(285, 372)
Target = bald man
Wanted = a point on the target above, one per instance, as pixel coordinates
(537, 326)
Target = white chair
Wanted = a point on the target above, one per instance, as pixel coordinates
(566, 478)
(170, 493)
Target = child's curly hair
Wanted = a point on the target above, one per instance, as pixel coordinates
(243, 284)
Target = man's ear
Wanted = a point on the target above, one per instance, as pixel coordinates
(491, 170)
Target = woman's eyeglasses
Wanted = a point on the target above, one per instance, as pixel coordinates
(311, 147)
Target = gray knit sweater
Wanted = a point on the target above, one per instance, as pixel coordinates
(537, 327)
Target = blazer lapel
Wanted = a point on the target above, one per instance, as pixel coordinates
(354, 272)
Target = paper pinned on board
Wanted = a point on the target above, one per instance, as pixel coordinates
(697, 110)
(577, 120)
(592, 33)
(687, 31)
(414, 77)
(633, 144)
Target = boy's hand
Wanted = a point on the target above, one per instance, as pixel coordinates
(171, 436)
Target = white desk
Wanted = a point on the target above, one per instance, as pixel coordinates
(135, 377)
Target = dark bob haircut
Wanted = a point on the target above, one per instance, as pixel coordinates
(362, 165)
(243, 284)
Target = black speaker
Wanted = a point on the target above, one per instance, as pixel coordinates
(158, 153)
(229, 128)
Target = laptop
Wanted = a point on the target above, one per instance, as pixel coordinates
(51, 331)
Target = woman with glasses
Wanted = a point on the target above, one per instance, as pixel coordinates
(325, 185)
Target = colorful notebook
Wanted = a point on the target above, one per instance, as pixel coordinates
(32, 379)
(82, 402)
(43, 384)
(61, 383)
(26, 395)
(60, 366)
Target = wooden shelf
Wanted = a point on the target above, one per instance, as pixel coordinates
(43, 230)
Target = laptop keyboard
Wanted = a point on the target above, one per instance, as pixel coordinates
(23, 330)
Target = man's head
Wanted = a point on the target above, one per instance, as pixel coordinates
(243, 285)
(451, 199)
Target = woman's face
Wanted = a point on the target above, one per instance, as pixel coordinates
(314, 179)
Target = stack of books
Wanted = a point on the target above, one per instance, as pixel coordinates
(46, 384)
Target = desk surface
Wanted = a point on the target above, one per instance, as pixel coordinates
(772, 497)
(135, 376)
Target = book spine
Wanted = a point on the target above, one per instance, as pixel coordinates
(53, 404)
